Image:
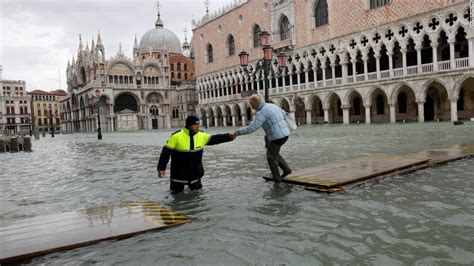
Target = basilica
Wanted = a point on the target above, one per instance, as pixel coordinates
(154, 89)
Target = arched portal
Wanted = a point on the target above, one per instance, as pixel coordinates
(238, 116)
(437, 106)
(317, 112)
(406, 108)
(285, 105)
(228, 115)
(125, 101)
(300, 113)
(379, 109)
(335, 110)
(357, 110)
(466, 100)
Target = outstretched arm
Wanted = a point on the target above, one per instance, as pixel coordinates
(253, 126)
(219, 138)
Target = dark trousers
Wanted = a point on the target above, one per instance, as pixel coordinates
(178, 187)
(275, 160)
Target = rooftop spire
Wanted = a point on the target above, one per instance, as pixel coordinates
(99, 40)
(158, 22)
(207, 3)
(135, 44)
(80, 42)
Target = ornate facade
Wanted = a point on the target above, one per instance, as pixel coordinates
(349, 61)
(155, 89)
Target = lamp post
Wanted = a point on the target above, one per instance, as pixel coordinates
(95, 101)
(28, 120)
(51, 122)
(264, 64)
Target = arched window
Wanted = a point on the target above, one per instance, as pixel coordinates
(256, 32)
(321, 13)
(178, 66)
(231, 45)
(284, 28)
(210, 53)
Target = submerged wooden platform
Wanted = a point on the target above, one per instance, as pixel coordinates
(46, 234)
(338, 176)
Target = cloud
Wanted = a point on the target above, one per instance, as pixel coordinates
(38, 37)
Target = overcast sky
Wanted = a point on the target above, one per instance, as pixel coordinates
(39, 36)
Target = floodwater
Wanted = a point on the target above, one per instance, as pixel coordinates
(422, 218)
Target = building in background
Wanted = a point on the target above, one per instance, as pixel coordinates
(362, 61)
(14, 107)
(45, 109)
(154, 89)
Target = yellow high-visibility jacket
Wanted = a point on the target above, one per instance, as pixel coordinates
(186, 152)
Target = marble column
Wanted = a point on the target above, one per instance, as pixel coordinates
(326, 115)
(345, 114)
(454, 109)
(421, 111)
(393, 118)
(367, 113)
(308, 117)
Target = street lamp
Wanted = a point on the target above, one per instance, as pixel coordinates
(95, 101)
(264, 64)
(51, 122)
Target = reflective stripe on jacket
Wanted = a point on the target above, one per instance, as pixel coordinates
(186, 154)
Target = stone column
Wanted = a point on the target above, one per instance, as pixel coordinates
(298, 79)
(323, 68)
(233, 121)
(365, 58)
(471, 50)
(308, 117)
(377, 62)
(354, 72)
(434, 46)
(326, 115)
(367, 113)
(344, 71)
(345, 114)
(421, 112)
(393, 118)
(390, 61)
(244, 120)
(224, 120)
(404, 56)
(454, 109)
(418, 57)
(306, 76)
(277, 82)
(451, 42)
(208, 121)
(315, 73)
(216, 124)
(333, 73)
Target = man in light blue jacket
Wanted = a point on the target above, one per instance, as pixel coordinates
(270, 118)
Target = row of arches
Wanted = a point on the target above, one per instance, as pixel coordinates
(433, 103)
(428, 54)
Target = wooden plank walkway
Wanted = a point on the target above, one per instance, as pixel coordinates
(337, 176)
(46, 234)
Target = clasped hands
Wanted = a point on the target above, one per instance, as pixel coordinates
(233, 135)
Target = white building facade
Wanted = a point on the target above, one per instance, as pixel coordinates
(350, 61)
(127, 93)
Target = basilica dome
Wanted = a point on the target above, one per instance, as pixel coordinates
(160, 39)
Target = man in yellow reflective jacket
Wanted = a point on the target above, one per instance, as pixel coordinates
(185, 147)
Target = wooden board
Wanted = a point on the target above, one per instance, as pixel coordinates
(46, 234)
(336, 175)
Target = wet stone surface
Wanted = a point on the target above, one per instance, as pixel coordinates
(426, 217)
